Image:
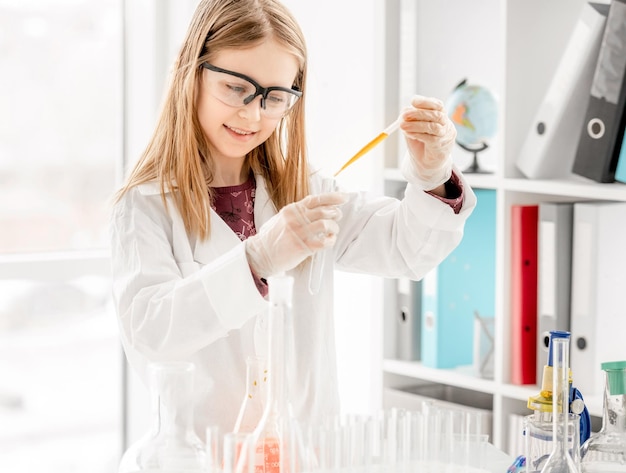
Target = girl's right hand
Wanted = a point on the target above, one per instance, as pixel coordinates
(294, 233)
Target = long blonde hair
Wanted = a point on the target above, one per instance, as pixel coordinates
(178, 156)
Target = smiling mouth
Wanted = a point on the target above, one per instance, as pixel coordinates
(239, 131)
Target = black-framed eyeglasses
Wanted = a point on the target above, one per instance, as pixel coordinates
(237, 90)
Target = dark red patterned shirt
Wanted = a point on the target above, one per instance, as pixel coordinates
(235, 205)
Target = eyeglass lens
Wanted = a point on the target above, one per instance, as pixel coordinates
(237, 92)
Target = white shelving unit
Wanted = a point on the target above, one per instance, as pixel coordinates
(513, 48)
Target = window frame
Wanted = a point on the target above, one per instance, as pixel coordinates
(156, 26)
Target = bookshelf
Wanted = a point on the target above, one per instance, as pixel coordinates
(512, 47)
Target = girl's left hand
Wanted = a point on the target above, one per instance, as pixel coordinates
(430, 137)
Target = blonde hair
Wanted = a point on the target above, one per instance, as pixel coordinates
(178, 156)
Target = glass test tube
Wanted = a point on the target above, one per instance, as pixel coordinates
(319, 258)
(237, 456)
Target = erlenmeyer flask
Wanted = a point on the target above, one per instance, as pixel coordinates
(561, 459)
(606, 451)
(255, 398)
(251, 413)
(278, 440)
(172, 445)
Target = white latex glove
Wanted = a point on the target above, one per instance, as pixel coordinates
(294, 233)
(430, 137)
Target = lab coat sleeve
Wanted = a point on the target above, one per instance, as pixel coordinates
(171, 306)
(400, 238)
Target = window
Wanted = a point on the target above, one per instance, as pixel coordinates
(60, 123)
(61, 131)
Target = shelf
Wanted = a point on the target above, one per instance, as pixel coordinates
(458, 377)
(575, 187)
(453, 377)
(518, 66)
(481, 181)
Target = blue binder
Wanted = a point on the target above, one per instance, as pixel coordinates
(620, 171)
(463, 284)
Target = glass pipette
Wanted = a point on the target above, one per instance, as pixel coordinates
(369, 146)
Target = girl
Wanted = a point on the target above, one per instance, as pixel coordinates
(220, 200)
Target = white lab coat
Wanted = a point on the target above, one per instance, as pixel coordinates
(182, 299)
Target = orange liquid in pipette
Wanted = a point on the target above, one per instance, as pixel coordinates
(368, 147)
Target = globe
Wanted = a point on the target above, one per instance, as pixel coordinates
(474, 111)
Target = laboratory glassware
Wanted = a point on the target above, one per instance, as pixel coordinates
(372, 144)
(435, 438)
(538, 426)
(320, 258)
(605, 451)
(277, 439)
(255, 397)
(172, 445)
(562, 459)
(250, 414)
(237, 453)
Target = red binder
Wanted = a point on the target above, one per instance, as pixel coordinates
(524, 256)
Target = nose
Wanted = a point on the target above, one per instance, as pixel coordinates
(252, 110)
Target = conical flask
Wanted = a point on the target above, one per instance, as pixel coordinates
(172, 445)
(255, 399)
(277, 438)
(561, 460)
(250, 415)
(606, 451)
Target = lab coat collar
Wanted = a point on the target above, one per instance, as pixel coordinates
(222, 239)
(150, 188)
(263, 207)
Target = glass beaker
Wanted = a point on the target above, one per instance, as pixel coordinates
(538, 438)
(172, 445)
(605, 451)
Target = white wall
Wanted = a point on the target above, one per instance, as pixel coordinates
(345, 102)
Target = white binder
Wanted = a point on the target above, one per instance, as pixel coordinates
(550, 145)
(598, 319)
(408, 320)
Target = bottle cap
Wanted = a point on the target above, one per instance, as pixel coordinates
(616, 376)
(554, 334)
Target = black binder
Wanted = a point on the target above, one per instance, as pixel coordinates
(603, 127)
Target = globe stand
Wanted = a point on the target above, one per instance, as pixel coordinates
(475, 168)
